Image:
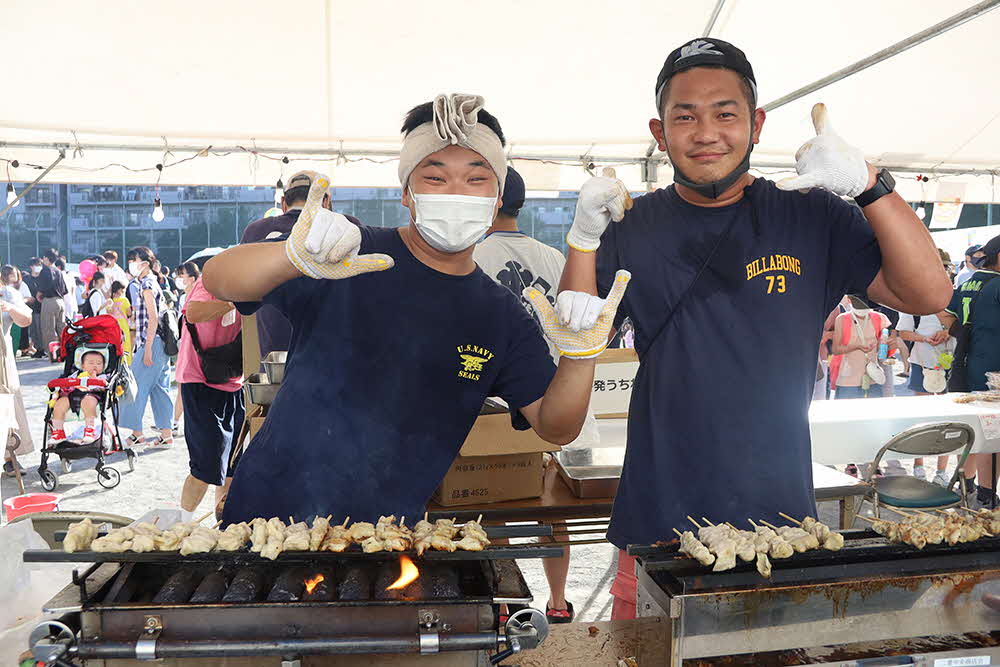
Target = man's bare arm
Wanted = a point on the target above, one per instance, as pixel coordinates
(248, 272)
(558, 416)
(912, 279)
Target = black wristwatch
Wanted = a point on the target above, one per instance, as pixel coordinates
(884, 184)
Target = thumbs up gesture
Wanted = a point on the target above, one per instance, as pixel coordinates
(827, 161)
(324, 244)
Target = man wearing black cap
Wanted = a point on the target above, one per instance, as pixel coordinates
(274, 332)
(973, 317)
(969, 267)
(733, 279)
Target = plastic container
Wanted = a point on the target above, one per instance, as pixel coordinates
(31, 502)
(883, 347)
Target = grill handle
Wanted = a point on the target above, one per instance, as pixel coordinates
(165, 648)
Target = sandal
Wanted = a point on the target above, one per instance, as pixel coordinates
(161, 442)
(132, 441)
(560, 615)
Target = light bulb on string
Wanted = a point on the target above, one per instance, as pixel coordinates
(157, 210)
(279, 193)
(11, 195)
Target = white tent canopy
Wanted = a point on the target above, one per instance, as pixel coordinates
(326, 83)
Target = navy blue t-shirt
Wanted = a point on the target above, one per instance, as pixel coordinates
(387, 374)
(273, 330)
(982, 288)
(718, 423)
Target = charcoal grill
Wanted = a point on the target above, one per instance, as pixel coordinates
(116, 610)
(869, 600)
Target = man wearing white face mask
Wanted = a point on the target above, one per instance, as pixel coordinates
(397, 336)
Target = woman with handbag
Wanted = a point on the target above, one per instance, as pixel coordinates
(150, 363)
(855, 371)
(210, 375)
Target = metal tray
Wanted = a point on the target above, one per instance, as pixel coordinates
(259, 390)
(274, 365)
(591, 473)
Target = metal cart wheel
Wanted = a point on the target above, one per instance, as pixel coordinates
(49, 479)
(108, 477)
(130, 455)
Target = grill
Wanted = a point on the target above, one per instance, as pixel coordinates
(870, 599)
(160, 605)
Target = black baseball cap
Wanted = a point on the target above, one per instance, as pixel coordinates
(513, 193)
(703, 51)
(990, 252)
(973, 249)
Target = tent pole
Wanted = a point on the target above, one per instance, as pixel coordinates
(713, 18)
(62, 154)
(972, 12)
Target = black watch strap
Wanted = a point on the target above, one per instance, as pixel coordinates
(884, 184)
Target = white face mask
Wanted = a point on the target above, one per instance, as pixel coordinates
(452, 223)
(35, 270)
(134, 268)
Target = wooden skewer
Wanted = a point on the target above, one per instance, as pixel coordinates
(869, 519)
(207, 514)
(752, 523)
(678, 532)
(795, 521)
(707, 521)
(732, 526)
(155, 519)
(967, 510)
(693, 521)
(425, 516)
(290, 520)
(479, 519)
(402, 520)
(217, 523)
(346, 519)
(328, 517)
(769, 525)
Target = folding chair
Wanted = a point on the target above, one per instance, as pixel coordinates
(909, 492)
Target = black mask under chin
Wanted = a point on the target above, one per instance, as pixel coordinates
(714, 189)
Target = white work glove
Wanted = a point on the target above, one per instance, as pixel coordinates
(827, 161)
(580, 329)
(602, 199)
(324, 244)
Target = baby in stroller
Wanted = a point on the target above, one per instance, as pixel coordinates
(82, 390)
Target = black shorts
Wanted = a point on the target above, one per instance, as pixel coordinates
(212, 420)
(76, 396)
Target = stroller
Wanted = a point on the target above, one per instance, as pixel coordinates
(101, 334)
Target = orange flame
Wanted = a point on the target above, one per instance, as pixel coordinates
(408, 574)
(312, 583)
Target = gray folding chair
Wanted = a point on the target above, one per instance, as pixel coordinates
(909, 492)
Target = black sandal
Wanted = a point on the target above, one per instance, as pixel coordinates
(560, 615)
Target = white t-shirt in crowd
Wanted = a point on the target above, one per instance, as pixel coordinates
(97, 301)
(113, 274)
(963, 275)
(925, 355)
(69, 299)
(517, 261)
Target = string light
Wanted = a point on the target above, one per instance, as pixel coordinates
(157, 204)
(279, 193)
(11, 195)
(157, 210)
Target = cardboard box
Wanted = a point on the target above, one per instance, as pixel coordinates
(496, 463)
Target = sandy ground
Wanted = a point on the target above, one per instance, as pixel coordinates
(159, 474)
